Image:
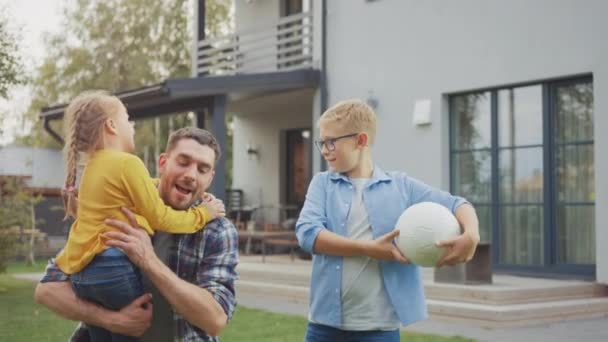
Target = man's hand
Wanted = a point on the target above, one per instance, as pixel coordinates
(383, 248)
(457, 250)
(134, 241)
(134, 319)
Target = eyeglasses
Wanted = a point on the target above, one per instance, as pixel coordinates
(330, 144)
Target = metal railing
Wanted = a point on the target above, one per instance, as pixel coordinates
(283, 46)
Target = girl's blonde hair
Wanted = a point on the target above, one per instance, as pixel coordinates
(83, 125)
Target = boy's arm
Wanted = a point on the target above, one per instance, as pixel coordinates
(461, 248)
(315, 238)
(55, 292)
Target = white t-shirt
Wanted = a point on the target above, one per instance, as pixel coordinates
(365, 304)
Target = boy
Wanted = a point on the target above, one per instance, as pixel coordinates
(362, 287)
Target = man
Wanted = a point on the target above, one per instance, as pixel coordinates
(192, 273)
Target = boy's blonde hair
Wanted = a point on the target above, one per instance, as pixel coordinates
(352, 114)
(83, 125)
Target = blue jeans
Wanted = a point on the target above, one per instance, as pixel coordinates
(323, 333)
(112, 281)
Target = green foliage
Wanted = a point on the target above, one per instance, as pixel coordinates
(118, 45)
(16, 204)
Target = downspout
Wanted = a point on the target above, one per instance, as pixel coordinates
(49, 130)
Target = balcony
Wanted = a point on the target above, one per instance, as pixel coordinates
(283, 46)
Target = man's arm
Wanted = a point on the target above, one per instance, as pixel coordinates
(55, 292)
(197, 305)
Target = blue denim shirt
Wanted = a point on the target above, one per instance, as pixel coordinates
(385, 196)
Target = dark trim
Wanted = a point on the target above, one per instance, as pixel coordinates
(495, 176)
(202, 20)
(549, 235)
(572, 78)
(217, 111)
(51, 131)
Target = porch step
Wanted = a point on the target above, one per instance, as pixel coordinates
(524, 294)
(484, 315)
(494, 316)
(505, 290)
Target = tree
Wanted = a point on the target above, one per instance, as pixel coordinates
(16, 217)
(11, 67)
(118, 45)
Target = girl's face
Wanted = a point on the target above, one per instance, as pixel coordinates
(125, 129)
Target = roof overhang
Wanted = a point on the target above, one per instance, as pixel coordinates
(178, 95)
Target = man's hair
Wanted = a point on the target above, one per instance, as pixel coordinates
(352, 114)
(199, 135)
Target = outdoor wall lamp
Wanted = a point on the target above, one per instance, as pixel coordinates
(252, 151)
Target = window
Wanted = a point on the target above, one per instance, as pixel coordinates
(524, 157)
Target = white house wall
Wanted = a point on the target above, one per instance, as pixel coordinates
(401, 51)
(258, 124)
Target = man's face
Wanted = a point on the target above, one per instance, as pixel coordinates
(185, 173)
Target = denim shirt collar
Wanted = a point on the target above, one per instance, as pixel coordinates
(378, 175)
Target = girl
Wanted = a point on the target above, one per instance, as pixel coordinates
(98, 127)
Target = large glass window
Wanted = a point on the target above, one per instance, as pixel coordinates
(524, 157)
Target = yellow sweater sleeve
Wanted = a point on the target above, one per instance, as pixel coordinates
(146, 200)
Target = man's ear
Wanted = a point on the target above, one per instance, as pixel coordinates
(162, 161)
(362, 140)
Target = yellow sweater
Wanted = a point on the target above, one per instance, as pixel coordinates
(111, 180)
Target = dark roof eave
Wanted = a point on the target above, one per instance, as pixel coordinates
(190, 89)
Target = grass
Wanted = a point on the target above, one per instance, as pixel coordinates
(258, 325)
(23, 267)
(21, 319)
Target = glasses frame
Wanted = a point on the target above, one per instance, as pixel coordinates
(331, 142)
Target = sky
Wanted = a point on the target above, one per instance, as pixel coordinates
(30, 20)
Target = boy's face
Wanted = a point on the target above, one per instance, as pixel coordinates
(185, 173)
(347, 153)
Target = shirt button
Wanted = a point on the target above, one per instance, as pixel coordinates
(337, 290)
(337, 267)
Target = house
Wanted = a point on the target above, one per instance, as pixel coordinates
(42, 171)
(500, 102)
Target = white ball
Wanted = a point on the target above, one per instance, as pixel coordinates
(421, 225)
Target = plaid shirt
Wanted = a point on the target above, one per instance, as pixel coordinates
(207, 258)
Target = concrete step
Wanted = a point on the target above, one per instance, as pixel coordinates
(484, 315)
(505, 290)
(505, 295)
(494, 316)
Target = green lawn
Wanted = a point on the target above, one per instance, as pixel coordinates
(21, 319)
(23, 267)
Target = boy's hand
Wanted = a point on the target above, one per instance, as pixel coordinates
(383, 248)
(215, 207)
(457, 250)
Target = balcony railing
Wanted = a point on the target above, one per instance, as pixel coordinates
(283, 46)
